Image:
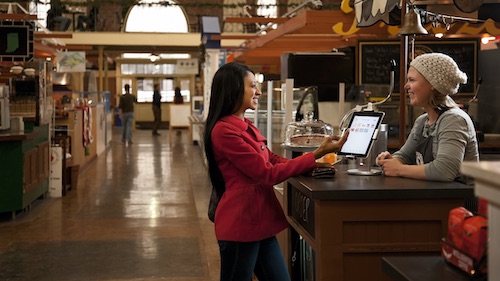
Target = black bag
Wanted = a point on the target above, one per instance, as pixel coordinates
(212, 205)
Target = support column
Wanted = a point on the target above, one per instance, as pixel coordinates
(403, 58)
(100, 63)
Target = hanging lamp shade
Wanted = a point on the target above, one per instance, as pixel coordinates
(412, 25)
(154, 57)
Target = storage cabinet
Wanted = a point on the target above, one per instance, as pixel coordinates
(30, 163)
(24, 168)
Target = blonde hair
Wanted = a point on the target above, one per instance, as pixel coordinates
(441, 102)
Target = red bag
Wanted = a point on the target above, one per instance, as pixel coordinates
(475, 237)
(455, 225)
(482, 208)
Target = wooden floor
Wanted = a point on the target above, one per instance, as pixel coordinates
(138, 213)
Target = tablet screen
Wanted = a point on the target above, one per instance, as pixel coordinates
(363, 127)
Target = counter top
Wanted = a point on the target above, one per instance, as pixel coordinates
(16, 136)
(489, 144)
(353, 187)
(487, 171)
(421, 268)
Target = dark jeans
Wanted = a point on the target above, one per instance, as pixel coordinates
(264, 258)
(157, 120)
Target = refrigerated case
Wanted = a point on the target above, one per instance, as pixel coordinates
(25, 98)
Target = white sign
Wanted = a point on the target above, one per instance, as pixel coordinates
(56, 161)
(71, 62)
(187, 66)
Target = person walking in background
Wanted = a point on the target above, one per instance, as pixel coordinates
(126, 106)
(243, 172)
(178, 99)
(441, 138)
(156, 109)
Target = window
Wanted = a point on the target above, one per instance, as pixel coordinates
(40, 8)
(133, 69)
(267, 8)
(127, 81)
(149, 16)
(167, 89)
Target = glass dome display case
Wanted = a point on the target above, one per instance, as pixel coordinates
(307, 134)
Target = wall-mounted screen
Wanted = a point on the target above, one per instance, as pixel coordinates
(323, 70)
(16, 41)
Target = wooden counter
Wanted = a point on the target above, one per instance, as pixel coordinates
(24, 168)
(350, 222)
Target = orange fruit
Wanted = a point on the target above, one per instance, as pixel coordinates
(330, 158)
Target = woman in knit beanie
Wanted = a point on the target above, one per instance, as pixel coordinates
(443, 137)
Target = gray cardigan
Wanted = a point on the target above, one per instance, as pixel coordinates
(454, 142)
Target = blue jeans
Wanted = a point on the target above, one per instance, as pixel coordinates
(128, 120)
(264, 258)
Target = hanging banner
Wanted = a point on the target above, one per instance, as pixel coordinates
(71, 62)
(222, 57)
(369, 12)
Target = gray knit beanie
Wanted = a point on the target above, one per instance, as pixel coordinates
(441, 71)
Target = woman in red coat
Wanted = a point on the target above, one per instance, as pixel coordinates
(243, 174)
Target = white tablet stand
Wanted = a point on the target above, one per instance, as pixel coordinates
(364, 167)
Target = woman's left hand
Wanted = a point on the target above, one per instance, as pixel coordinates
(391, 166)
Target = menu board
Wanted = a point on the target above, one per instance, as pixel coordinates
(374, 59)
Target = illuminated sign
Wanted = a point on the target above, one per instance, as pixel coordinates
(16, 41)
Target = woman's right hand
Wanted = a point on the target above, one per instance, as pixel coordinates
(330, 144)
(382, 156)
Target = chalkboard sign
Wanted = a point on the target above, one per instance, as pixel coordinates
(374, 60)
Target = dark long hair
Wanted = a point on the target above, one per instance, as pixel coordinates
(228, 88)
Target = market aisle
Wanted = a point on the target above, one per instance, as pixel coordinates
(139, 213)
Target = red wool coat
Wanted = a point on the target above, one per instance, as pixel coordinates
(249, 210)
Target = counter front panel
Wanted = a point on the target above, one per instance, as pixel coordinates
(351, 222)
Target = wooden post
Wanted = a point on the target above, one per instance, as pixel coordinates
(100, 64)
(403, 58)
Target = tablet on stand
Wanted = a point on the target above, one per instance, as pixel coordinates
(363, 130)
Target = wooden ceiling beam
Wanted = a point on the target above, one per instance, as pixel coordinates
(52, 35)
(310, 31)
(73, 47)
(231, 37)
(255, 20)
(24, 17)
